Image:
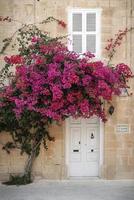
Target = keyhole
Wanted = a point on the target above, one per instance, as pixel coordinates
(79, 142)
(92, 136)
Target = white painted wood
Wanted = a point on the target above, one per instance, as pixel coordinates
(94, 169)
(91, 20)
(83, 147)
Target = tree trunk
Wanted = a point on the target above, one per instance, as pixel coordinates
(29, 165)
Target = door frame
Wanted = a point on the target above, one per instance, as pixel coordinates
(101, 146)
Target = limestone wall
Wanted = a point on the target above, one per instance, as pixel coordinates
(118, 149)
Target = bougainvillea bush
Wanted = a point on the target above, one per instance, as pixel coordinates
(51, 84)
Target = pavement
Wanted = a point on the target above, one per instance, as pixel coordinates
(70, 190)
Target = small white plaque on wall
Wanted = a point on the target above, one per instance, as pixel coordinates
(122, 128)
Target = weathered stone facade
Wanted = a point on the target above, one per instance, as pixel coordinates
(118, 156)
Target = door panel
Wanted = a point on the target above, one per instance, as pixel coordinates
(92, 138)
(75, 144)
(92, 157)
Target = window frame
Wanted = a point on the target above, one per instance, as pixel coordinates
(84, 32)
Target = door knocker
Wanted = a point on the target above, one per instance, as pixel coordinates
(92, 136)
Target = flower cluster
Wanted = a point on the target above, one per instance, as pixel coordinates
(56, 83)
(62, 23)
(15, 59)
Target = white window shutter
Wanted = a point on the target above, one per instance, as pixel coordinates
(91, 22)
(85, 30)
(77, 22)
(91, 43)
(77, 43)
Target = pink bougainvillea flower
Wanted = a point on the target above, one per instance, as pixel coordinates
(15, 59)
(56, 83)
(62, 23)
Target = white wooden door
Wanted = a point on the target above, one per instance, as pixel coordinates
(84, 147)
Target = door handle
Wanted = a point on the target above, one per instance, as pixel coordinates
(93, 150)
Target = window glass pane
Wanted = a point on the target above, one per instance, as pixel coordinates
(91, 22)
(77, 43)
(91, 43)
(77, 22)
